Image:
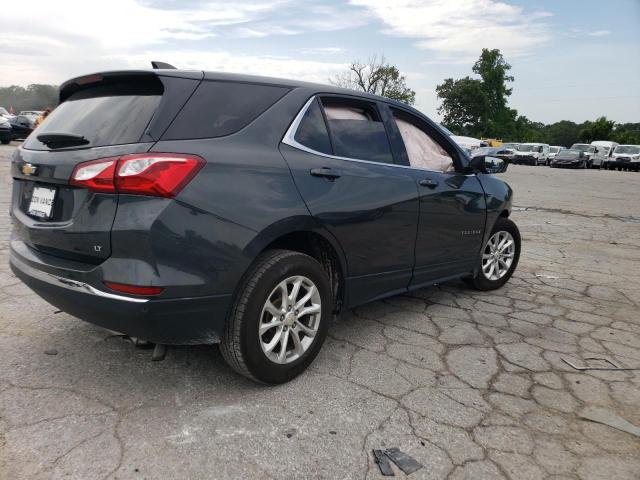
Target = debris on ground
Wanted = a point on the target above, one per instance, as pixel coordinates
(51, 351)
(612, 366)
(383, 463)
(609, 418)
(159, 352)
(405, 462)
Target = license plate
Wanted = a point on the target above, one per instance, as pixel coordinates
(42, 202)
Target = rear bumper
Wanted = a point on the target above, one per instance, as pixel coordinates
(173, 321)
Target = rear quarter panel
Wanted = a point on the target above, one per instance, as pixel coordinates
(242, 200)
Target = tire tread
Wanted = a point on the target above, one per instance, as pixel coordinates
(230, 344)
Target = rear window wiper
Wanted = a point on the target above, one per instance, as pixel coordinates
(62, 139)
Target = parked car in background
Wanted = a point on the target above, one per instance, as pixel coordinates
(532, 154)
(553, 151)
(469, 144)
(22, 126)
(509, 150)
(190, 207)
(31, 112)
(491, 153)
(569, 158)
(624, 157)
(602, 153)
(5, 113)
(6, 132)
(511, 145)
(586, 149)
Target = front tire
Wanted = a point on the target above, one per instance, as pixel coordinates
(279, 319)
(499, 257)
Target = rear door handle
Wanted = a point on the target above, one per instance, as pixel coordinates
(428, 182)
(325, 172)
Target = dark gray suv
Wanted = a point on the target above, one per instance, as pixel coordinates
(188, 207)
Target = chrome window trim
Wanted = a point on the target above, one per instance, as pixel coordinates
(289, 139)
(69, 284)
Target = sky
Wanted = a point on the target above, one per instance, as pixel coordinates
(572, 59)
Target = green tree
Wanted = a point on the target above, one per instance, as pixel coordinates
(627, 134)
(463, 104)
(564, 133)
(378, 77)
(493, 70)
(481, 103)
(601, 129)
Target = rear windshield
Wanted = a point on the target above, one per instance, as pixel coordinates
(112, 114)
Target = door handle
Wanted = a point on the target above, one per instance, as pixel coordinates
(428, 182)
(325, 172)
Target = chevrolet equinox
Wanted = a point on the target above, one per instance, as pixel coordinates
(189, 207)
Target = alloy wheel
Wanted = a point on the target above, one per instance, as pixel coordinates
(290, 319)
(498, 255)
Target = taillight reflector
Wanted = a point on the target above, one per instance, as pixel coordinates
(155, 174)
(134, 289)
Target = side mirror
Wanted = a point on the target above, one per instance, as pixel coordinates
(486, 164)
(495, 165)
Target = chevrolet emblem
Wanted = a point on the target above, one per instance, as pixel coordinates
(28, 169)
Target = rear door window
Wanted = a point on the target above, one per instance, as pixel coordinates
(312, 131)
(113, 114)
(220, 108)
(357, 130)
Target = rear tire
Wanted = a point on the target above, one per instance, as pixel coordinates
(6, 142)
(256, 352)
(480, 280)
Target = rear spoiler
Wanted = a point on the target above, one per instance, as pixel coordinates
(76, 84)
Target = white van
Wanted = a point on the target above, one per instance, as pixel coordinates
(602, 153)
(625, 157)
(532, 154)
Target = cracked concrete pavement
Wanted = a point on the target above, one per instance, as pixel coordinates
(470, 384)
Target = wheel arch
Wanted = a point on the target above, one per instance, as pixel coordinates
(303, 234)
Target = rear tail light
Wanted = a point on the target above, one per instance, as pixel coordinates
(96, 175)
(155, 174)
(134, 289)
(159, 174)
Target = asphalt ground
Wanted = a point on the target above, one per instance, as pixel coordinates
(472, 385)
